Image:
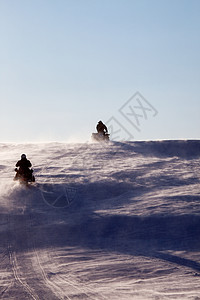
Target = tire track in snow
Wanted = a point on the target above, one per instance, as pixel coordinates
(88, 292)
(81, 290)
(23, 283)
(15, 268)
(62, 279)
(6, 282)
(46, 279)
(51, 285)
(5, 289)
(19, 275)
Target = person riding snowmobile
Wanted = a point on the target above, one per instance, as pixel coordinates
(101, 128)
(24, 170)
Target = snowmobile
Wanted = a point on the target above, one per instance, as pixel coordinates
(24, 177)
(100, 137)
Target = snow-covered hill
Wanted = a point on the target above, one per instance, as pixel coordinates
(103, 221)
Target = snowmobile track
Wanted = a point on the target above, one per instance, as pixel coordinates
(15, 268)
(87, 294)
(13, 261)
(49, 283)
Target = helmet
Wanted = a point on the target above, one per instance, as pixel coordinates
(100, 121)
(23, 156)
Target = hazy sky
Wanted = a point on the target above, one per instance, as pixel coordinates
(66, 64)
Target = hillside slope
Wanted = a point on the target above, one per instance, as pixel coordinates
(111, 221)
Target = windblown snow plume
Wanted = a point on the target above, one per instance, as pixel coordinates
(102, 221)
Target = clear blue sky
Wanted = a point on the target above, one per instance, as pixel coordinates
(66, 64)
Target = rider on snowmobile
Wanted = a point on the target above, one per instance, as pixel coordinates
(24, 164)
(101, 128)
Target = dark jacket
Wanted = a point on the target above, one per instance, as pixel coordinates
(23, 164)
(101, 128)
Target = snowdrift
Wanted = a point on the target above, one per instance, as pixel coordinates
(111, 221)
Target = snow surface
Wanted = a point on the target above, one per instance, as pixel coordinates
(103, 221)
